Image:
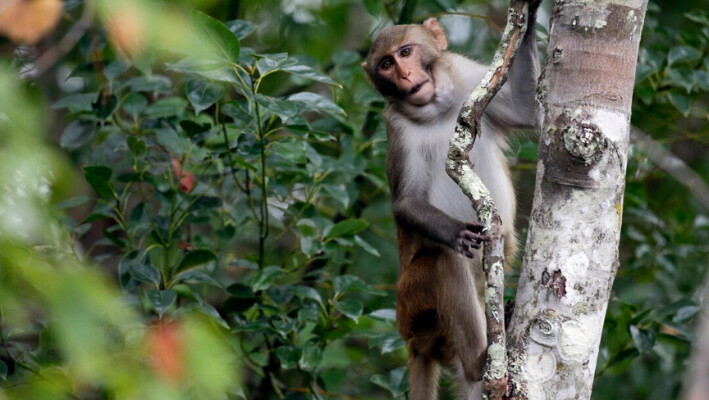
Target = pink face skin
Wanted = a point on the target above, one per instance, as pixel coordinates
(402, 67)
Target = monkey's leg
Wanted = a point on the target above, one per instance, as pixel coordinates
(466, 389)
(423, 378)
(463, 314)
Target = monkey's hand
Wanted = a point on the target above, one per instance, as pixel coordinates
(469, 238)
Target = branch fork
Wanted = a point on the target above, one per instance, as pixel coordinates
(460, 169)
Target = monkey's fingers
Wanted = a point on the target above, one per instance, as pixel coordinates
(475, 226)
(463, 247)
(474, 238)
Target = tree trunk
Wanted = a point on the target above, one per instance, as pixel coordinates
(697, 379)
(571, 255)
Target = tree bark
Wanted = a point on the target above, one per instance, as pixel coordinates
(697, 378)
(571, 254)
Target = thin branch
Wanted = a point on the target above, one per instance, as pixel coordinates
(460, 168)
(489, 20)
(672, 164)
(51, 56)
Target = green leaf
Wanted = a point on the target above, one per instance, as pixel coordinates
(96, 217)
(347, 283)
(76, 102)
(193, 276)
(308, 72)
(167, 107)
(642, 72)
(242, 298)
(202, 94)
(681, 77)
(683, 54)
(273, 62)
(224, 42)
(105, 105)
(306, 292)
(211, 312)
(169, 139)
(338, 193)
(238, 392)
(290, 149)
(115, 69)
(311, 357)
(241, 291)
(3, 370)
(346, 57)
(206, 202)
(308, 315)
(645, 92)
(686, 313)
(193, 128)
(318, 102)
(112, 237)
(396, 383)
(681, 102)
(161, 300)
(387, 342)
(212, 70)
(265, 277)
(136, 145)
(702, 79)
(99, 177)
(289, 356)
(241, 28)
(133, 264)
(644, 339)
(351, 308)
(150, 83)
(72, 202)
(624, 355)
(285, 110)
(374, 7)
(384, 314)
(134, 104)
(700, 16)
(77, 134)
(346, 228)
(366, 246)
(195, 258)
(307, 227)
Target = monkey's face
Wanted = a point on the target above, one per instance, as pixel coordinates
(405, 68)
(401, 61)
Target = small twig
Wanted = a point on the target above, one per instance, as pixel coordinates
(51, 56)
(489, 20)
(672, 164)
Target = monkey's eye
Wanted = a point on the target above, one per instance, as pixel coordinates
(405, 52)
(385, 64)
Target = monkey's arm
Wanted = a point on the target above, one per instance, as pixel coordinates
(514, 105)
(414, 213)
(418, 215)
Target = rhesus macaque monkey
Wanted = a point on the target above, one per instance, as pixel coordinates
(440, 308)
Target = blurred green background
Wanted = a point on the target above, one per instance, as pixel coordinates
(193, 201)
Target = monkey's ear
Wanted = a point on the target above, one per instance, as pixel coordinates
(439, 37)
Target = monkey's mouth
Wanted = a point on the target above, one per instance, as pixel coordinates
(417, 87)
(421, 94)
